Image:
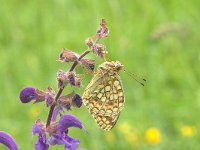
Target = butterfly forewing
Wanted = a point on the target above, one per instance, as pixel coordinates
(104, 98)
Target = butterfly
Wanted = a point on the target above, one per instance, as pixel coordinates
(104, 95)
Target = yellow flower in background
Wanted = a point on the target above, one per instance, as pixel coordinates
(124, 128)
(131, 137)
(188, 131)
(34, 112)
(110, 137)
(153, 136)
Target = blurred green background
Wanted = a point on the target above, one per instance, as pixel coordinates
(157, 39)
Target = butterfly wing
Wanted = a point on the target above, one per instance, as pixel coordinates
(104, 98)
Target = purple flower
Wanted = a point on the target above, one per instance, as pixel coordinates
(30, 93)
(8, 141)
(39, 128)
(58, 132)
(62, 137)
(27, 94)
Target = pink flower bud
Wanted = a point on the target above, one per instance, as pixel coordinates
(39, 95)
(89, 64)
(99, 50)
(89, 42)
(78, 82)
(65, 78)
(66, 101)
(68, 56)
(103, 30)
(50, 96)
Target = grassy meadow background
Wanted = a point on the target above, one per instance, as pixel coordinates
(157, 39)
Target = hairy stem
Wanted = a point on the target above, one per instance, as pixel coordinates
(61, 89)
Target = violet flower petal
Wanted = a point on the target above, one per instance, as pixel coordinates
(8, 141)
(56, 140)
(57, 110)
(41, 142)
(36, 129)
(77, 101)
(61, 137)
(70, 143)
(27, 94)
(67, 121)
(40, 145)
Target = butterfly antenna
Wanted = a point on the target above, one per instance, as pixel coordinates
(136, 77)
(85, 130)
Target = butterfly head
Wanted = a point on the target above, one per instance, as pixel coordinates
(114, 66)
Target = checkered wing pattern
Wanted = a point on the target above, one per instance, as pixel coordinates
(104, 98)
